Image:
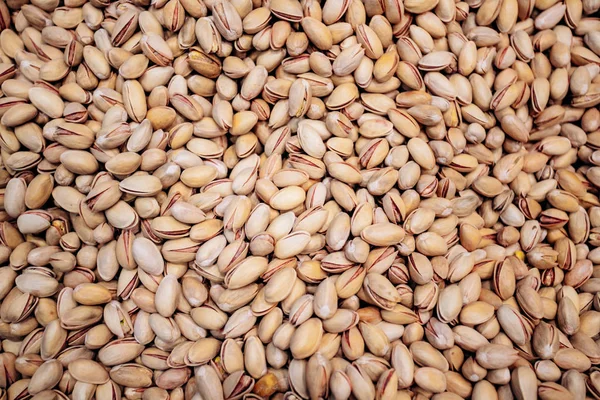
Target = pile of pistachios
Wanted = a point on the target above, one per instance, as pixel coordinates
(299, 199)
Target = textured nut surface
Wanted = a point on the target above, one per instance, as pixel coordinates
(299, 199)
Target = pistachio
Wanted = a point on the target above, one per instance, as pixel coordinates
(294, 199)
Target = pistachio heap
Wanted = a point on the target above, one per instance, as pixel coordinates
(283, 199)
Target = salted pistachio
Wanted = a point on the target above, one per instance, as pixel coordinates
(146, 255)
(131, 375)
(383, 234)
